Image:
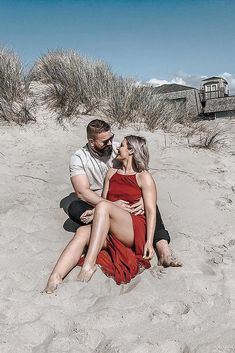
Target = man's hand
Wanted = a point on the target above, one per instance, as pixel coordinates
(138, 207)
(87, 216)
(148, 251)
(125, 205)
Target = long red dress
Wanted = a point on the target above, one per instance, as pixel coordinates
(117, 260)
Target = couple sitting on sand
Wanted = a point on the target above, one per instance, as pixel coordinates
(116, 210)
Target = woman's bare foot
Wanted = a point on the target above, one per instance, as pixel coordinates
(52, 284)
(86, 273)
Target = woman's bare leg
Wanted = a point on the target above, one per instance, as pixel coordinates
(108, 218)
(69, 257)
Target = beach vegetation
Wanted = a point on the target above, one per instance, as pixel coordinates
(73, 85)
(16, 102)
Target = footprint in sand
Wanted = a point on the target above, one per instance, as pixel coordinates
(157, 272)
(220, 253)
(106, 347)
(169, 309)
(224, 203)
(130, 286)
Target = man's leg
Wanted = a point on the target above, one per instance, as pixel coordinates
(76, 209)
(161, 241)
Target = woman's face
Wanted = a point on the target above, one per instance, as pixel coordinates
(123, 151)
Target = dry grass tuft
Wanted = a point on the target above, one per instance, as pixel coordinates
(212, 138)
(71, 84)
(16, 103)
(201, 135)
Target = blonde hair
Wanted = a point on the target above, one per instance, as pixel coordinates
(140, 151)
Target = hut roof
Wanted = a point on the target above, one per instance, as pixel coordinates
(220, 104)
(172, 87)
(215, 78)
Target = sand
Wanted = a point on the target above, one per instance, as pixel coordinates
(188, 309)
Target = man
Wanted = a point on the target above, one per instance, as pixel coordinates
(88, 167)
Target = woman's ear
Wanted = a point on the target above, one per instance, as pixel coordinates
(131, 151)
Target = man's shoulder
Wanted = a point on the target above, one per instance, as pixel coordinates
(80, 151)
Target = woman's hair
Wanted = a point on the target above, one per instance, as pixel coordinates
(140, 151)
(96, 127)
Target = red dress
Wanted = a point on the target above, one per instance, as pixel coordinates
(117, 260)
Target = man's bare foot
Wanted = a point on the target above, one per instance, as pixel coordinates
(86, 273)
(165, 258)
(169, 262)
(52, 284)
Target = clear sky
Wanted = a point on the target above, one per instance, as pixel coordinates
(144, 39)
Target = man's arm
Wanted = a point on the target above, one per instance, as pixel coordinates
(82, 189)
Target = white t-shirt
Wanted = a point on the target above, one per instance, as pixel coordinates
(84, 162)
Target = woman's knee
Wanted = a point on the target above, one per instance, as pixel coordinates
(103, 205)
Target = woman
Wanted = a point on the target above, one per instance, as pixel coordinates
(120, 242)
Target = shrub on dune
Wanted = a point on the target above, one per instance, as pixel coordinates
(15, 100)
(129, 102)
(121, 104)
(71, 84)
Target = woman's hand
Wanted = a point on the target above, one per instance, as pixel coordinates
(138, 207)
(87, 216)
(148, 251)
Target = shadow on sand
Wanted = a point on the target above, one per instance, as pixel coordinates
(69, 225)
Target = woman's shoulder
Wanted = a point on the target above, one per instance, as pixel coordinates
(144, 177)
(143, 174)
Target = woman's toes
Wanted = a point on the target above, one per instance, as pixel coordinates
(52, 285)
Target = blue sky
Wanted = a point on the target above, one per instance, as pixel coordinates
(167, 40)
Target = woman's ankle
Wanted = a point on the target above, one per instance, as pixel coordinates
(55, 277)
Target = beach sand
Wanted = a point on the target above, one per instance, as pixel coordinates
(175, 310)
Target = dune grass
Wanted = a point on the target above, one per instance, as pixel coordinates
(16, 103)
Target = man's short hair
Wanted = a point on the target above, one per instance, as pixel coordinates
(96, 127)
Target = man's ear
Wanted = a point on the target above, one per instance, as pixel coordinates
(91, 141)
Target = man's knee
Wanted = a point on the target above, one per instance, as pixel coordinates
(76, 209)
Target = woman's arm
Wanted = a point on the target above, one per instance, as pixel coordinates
(149, 192)
(109, 174)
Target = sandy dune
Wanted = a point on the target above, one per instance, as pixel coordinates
(188, 310)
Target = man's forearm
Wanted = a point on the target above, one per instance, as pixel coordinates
(90, 197)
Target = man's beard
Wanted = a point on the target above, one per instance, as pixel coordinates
(107, 151)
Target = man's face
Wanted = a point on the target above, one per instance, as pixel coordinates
(102, 143)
